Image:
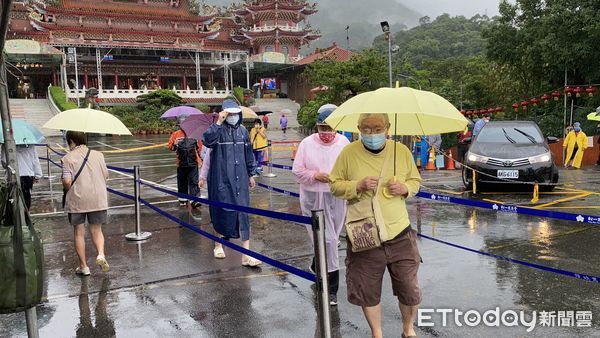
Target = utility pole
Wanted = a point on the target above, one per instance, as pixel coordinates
(10, 147)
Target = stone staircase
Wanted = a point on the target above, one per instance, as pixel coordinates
(35, 111)
(276, 105)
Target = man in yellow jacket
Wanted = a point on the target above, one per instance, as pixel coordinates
(575, 143)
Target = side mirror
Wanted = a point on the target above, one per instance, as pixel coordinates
(551, 139)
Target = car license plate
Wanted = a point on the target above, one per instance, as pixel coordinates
(508, 174)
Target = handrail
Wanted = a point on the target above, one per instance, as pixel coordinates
(53, 107)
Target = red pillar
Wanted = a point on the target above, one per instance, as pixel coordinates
(86, 82)
(117, 80)
(54, 79)
(183, 82)
(158, 80)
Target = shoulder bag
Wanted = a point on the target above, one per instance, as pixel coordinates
(365, 225)
(65, 190)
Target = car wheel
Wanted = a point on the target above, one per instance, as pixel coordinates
(467, 178)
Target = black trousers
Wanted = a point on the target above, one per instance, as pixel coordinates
(187, 181)
(333, 277)
(26, 186)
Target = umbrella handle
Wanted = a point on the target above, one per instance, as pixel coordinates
(385, 192)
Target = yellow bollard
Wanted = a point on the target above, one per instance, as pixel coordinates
(536, 194)
(474, 182)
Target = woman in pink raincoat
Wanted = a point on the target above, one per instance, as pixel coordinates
(314, 160)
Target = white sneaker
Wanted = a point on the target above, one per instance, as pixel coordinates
(100, 260)
(83, 272)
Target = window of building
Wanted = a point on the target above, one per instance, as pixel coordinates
(269, 49)
(285, 50)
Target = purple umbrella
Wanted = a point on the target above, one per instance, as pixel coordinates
(195, 125)
(173, 113)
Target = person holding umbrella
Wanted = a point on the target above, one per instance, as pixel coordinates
(314, 161)
(230, 177)
(84, 180)
(188, 161)
(359, 172)
(26, 137)
(376, 176)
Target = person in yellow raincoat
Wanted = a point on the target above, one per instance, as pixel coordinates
(575, 143)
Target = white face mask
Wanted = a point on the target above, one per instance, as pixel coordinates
(233, 119)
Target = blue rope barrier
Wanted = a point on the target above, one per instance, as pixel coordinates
(267, 213)
(580, 218)
(585, 277)
(589, 278)
(47, 159)
(122, 194)
(123, 170)
(306, 220)
(281, 191)
(277, 264)
(279, 166)
(55, 151)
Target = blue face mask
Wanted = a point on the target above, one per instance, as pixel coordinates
(233, 119)
(373, 141)
(577, 129)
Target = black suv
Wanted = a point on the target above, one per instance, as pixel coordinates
(511, 151)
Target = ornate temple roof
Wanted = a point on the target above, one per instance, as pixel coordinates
(256, 10)
(333, 53)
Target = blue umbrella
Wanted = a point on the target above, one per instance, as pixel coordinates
(25, 133)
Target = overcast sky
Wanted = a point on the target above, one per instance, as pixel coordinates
(430, 8)
(467, 8)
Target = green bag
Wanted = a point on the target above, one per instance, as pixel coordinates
(21, 256)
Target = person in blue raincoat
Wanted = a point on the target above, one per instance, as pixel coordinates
(230, 177)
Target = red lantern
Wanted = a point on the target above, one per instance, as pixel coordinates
(524, 105)
(556, 95)
(490, 110)
(545, 98)
(591, 90)
(498, 109)
(482, 111)
(462, 111)
(568, 91)
(515, 107)
(535, 101)
(469, 112)
(578, 91)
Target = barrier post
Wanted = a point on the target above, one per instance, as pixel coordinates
(270, 173)
(318, 227)
(48, 163)
(138, 235)
(31, 320)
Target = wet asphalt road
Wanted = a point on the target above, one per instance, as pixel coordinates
(171, 286)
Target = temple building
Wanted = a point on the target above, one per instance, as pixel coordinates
(128, 47)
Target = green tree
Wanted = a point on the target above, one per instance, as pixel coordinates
(363, 72)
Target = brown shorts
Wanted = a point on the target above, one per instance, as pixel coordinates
(364, 271)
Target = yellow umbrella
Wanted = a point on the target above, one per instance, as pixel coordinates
(593, 117)
(248, 113)
(411, 112)
(88, 121)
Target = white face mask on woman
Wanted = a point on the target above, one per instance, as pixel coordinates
(233, 119)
